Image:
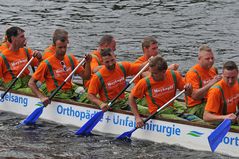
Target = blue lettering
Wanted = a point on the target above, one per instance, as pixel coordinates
(15, 99)
(59, 109)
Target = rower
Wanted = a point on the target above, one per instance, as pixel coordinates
(55, 69)
(201, 76)
(223, 97)
(14, 58)
(158, 88)
(150, 48)
(51, 50)
(107, 41)
(110, 80)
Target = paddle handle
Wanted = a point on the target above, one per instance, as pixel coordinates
(237, 113)
(58, 88)
(130, 82)
(165, 105)
(15, 80)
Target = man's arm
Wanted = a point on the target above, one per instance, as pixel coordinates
(37, 92)
(210, 117)
(103, 106)
(87, 71)
(134, 109)
(200, 93)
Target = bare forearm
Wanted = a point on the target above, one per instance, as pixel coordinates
(201, 92)
(94, 99)
(87, 72)
(209, 117)
(133, 105)
(35, 90)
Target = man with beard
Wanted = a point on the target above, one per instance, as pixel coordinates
(55, 69)
(107, 41)
(202, 76)
(110, 80)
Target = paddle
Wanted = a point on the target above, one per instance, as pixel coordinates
(215, 138)
(31, 119)
(90, 124)
(15, 80)
(126, 135)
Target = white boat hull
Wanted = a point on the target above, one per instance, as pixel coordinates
(189, 136)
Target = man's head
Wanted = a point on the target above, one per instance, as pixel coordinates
(150, 46)
(107, 41)
(158, 67)
(230, 73)
(205, 57)
(108, 58)
(60, 34)
(16, 37)
(61, 46)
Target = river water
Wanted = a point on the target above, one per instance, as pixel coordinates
(180, 28)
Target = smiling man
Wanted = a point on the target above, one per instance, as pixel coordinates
(223, 97)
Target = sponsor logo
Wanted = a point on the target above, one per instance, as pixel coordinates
(195, 133)
(9, 97)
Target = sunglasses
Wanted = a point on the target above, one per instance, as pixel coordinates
(63, 65)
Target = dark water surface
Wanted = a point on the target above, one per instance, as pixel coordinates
(180, 28)
(51, 140)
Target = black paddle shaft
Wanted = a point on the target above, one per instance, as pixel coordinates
(10, 86)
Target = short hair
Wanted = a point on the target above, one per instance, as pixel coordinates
(106, 52)
(148, 41)
(205, 47)
(106, 39)
(230, 65)
(159, 62)
(60, 34)
(13, 31)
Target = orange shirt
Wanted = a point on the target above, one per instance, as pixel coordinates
(215, 100)
(114, 80)
(192, 77)
(43, 73)
(3, 46)
(140, 60)
(96, 58)
(17, 60)
(49, 51)
(162, 91)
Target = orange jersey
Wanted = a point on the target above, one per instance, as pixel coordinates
(162, 91)
(194, 78)
(114, 81)
(140, 60)
(3, 46)
(215, 102)
(49, 51)
(16, 60)
(60, 72)
(96, 59)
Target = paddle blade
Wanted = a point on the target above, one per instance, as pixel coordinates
(215, 138)
(126, 135)
(32, 118)
(90, 124)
